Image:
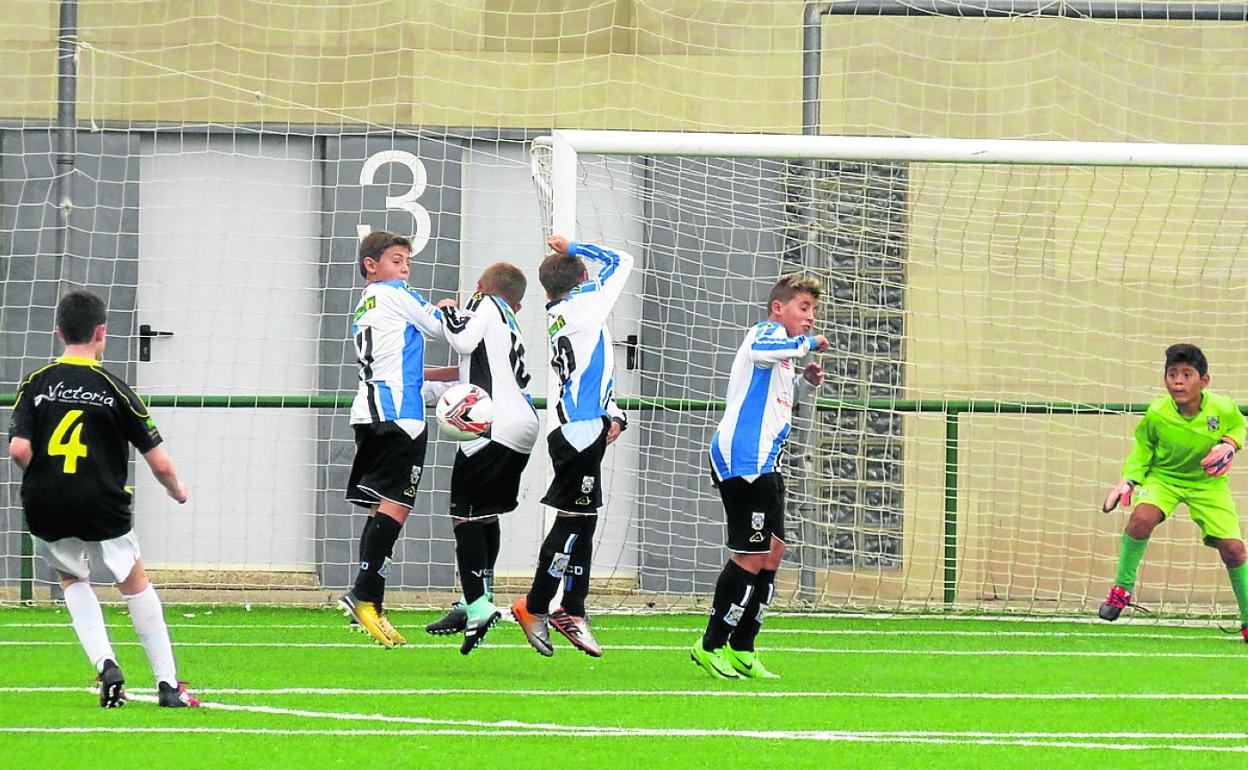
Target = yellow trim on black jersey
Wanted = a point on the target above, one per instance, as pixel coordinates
(143, 414)
(77, 361)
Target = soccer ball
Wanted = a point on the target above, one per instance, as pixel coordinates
(465, 412)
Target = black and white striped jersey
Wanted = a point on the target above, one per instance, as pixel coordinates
(492, 357)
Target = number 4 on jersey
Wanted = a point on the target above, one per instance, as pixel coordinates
(73, 449)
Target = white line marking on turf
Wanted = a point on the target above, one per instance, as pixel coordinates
(1087, 618)
(679, 648)
(968, 739)
(1125, 635)
(425, 692)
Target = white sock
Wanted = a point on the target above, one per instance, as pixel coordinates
(84, 610)
(148, 618)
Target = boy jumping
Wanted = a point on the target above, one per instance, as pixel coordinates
(584, 420)
(485, 481)
(388, 418)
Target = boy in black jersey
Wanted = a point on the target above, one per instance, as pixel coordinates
(70, 433)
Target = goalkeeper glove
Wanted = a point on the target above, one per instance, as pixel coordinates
(1121, 495)
(1218, 461)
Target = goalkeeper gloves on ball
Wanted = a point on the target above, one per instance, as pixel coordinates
(1121, 495)
(1218, 461)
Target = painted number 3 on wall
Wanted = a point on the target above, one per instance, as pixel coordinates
(423, 227)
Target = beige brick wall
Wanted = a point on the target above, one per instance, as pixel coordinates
(732, 65)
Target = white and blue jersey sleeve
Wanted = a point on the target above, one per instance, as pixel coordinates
(758, 414)
(389, 326)
(580, 344)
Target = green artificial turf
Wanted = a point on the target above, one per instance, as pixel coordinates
(292, 688)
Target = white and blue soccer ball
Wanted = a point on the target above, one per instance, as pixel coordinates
(465, 412)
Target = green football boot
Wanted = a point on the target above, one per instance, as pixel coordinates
(747, 663)
(713, 662)
(481, 616)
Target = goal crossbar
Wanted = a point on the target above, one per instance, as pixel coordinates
(799, 147)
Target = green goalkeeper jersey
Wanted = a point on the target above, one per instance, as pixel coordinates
(1171, 446)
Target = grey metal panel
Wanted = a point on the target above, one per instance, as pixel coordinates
(715, 235)
(27, 294)
(435, 272)
(102, 256)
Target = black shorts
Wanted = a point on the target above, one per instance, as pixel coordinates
(488, 482)
(387, 465)
(577, 483)
(754, 510)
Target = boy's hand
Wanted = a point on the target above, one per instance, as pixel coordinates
(180, 493)
(1218, 461)
(559, 243)
(813, 374)
(447, 303)
(1121, 495)
(821, 342)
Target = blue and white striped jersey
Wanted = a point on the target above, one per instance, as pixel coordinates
(759, 410)
(491, 356)
(580, 344)
(389, 326)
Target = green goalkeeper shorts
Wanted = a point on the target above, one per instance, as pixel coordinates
(1211, 507)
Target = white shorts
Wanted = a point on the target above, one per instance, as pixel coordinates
(72, 556)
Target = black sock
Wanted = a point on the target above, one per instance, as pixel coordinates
(366, 584)
(375, 548)
(470, 557)
(552, 562)
(733, 590)
(368, 527)
(752, 620)
(493, 538)
(576, 577)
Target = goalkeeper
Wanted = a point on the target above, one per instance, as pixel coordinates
(1183, 449)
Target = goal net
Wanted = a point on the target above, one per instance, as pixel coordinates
(997, 311)
(208, 168)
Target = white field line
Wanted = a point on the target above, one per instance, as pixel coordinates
(963, 739)
(1088, 618)
(1124, 635)
(426, 692)
(522, 729)
(670, 648)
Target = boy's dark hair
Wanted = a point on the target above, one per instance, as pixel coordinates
(506, 280)
(560, 274)
(376, 243)
(791, 285)
(1187, 353)
(77, 315)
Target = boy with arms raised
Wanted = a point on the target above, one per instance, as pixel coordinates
(584, 420)
(485, 481)
(1183, 448)
(71, 432)
(744, 454)
(388, 418)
